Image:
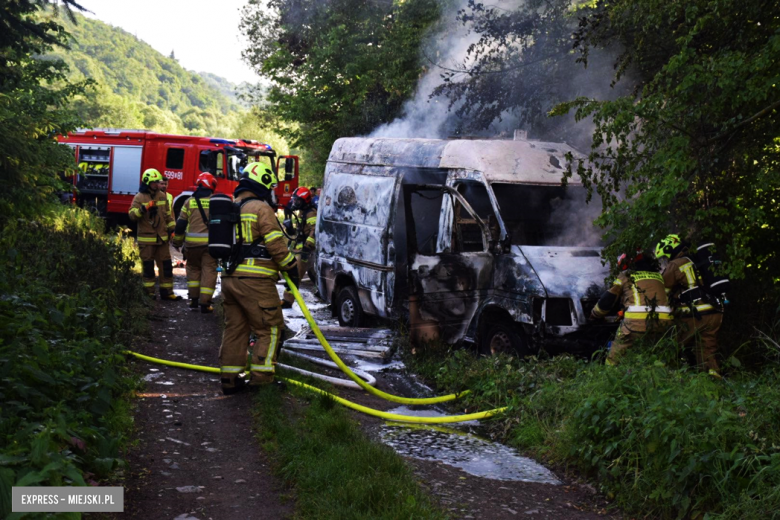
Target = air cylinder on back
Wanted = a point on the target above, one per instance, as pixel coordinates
(223, 218)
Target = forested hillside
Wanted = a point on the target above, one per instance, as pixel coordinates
(137, 87)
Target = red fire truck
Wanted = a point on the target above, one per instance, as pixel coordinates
(110, 163)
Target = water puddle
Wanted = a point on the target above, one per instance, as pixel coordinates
(460, 449)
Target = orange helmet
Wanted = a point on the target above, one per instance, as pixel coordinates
(625, 261)
(206, 180)
(301, 197)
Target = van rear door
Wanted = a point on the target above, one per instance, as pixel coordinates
(353, 238)
(450, 263)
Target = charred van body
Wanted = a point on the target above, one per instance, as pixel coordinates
(473, 240)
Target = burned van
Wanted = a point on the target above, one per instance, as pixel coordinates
(472, 240)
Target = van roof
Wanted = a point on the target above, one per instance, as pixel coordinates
(527, 161)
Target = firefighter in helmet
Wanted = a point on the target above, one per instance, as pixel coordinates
(303, 245)
(168, 196)
(192, 231)
(155, 224)
(701, 316)
(640, 289)
(251, 301)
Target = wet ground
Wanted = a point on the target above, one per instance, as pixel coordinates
(469, 475)
(197, 456)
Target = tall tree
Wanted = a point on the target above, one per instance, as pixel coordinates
(696, 148)
(338, 68)
(34, 95)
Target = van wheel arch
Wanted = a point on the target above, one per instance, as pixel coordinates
(497, 332)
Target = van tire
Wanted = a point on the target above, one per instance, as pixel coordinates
(348, 308)
(503, 337)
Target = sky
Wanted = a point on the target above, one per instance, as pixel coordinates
(203, 34)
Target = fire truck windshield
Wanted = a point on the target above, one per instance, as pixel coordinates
(237, 162)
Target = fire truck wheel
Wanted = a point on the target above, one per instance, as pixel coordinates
(503, 337)
(348, 308)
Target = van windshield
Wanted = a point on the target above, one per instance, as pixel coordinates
(548, 215)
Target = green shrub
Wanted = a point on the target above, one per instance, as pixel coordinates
(660, 437)
(69, 303)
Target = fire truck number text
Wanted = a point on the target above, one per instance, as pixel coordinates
(174, 175)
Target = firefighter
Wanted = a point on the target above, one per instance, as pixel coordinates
(702, 316)
(168, 196)
(640, 289)
(251, 301)
(192, 230)
(304, 243)
(149, 209)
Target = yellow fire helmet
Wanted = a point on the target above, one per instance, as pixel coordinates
(261, 174)
(667, 246)
(151, 175)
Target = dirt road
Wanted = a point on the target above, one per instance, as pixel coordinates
(197, 457)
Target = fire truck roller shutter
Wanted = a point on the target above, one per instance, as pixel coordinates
(126, 169)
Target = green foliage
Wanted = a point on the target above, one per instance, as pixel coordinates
(322, 59)
(34, 96)
(335, 470)
(662, 439)
(137, 87)
(696, 149)
(71, 303)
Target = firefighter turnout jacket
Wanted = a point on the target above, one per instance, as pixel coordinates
(643, 297)
(679, 276)
(190, 227)
(258, 220)
(154, 222)
(641, 293)
(305, 238)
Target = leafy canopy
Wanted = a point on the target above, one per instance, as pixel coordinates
(34, 96)
(696, 149)
(337, 68)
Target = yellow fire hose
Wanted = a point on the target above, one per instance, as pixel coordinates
(370, 389)
(344, 368)
(340, 400)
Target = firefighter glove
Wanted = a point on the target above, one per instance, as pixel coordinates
(293, 274)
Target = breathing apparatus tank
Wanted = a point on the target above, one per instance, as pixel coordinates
(224, 215)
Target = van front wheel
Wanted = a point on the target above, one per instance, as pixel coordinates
(503, 338)
(348, 308)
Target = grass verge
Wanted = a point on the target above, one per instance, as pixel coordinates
(660, 438)
(71, 301)
(335, 470)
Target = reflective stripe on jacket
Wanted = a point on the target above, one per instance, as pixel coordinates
(258, 220)
(197, 231)
(153, 226)
(680, 275)
(642, 294)
(306, 241)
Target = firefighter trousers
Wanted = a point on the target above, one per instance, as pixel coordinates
(630, 330)
(160, 253)
(250, 305)
(703, 334)
(201, 274)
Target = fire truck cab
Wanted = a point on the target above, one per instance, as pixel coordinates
(110, 163)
